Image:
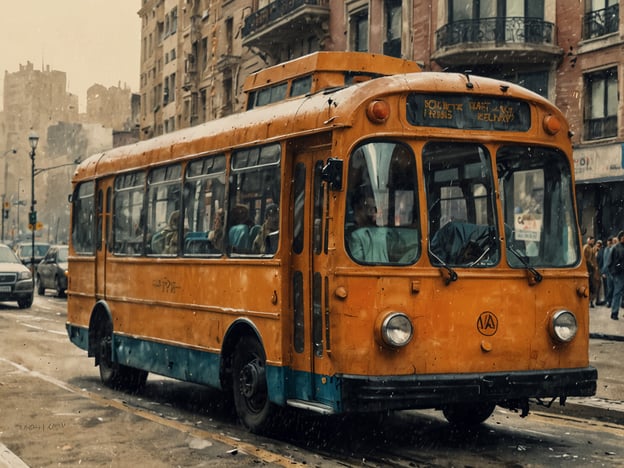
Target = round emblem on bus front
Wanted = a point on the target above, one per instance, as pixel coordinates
(487, 323)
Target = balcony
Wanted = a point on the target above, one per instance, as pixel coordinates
(601, 22)
(284, 22)
(515, 40)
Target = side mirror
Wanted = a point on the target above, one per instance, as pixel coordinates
(332, 173)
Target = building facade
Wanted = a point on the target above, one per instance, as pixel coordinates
(196, 55)
(37, 100)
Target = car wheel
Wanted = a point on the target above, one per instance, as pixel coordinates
(40, 286)
(25, 303)
(60, 290)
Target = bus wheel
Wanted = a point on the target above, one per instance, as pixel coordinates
(468, 414)
(251, 397)
(113, 374)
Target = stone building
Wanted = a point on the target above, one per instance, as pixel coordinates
(37, 100)
(196, 55)
(110, 107)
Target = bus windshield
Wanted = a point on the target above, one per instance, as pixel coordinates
(460, 202)
(536, 192)
(382, 211)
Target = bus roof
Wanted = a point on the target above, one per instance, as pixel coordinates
(329, 69)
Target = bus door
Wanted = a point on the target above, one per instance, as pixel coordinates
(308, 273)
(103, 194)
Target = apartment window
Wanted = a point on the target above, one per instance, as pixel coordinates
(358, 24)
(601, 104)
(169, 89)
(204, 53)
(227, 94)
(229, 34)
(601, 17)
(392, 45)
(536, 81)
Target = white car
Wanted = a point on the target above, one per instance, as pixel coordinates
(16, 281)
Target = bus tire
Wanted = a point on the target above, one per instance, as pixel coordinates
(468, 414)
(113, 374)
(249, 385)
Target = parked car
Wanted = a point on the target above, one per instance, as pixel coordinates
(52, 271)
(16, 282)
(23, 250)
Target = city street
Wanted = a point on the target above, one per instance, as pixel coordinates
(56, 413)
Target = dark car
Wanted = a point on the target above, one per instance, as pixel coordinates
(52, 271)
(23, 250)
(16, 282)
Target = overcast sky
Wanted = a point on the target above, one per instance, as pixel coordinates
(92, 41)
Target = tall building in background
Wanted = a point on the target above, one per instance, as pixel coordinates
(34, 98)
(37, 100)
(110, 107)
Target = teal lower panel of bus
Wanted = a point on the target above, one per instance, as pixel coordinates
(79, 336)
(203, 367)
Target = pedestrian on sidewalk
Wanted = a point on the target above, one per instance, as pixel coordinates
(606, 274)
(600, 290)
(616, 267)
(592, 269)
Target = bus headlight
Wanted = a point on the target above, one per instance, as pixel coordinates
(563, 326)
(396, 329)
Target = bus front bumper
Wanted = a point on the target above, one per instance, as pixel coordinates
(360, 393)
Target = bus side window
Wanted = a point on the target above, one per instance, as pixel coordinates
(203, 202)
(83, 218)
(163, 210)
(127, 213)
(253, 221)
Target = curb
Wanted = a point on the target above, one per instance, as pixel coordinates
(611, 411)
(606, 336)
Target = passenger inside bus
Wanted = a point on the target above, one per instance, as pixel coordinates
(238, 235)
(215, 236)
(165, 241)
(265, 241)
(367, 242)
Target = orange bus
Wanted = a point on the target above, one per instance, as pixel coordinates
(366, 237)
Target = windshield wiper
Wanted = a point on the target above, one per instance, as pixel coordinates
(447, 272)
(537, 277)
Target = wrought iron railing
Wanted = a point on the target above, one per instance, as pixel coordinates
(601, 22)
(498, 30)
(274, 11)
(596, 129)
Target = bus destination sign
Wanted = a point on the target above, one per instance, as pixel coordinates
(468, 112)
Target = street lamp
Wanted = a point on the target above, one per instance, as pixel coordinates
(4, 194)
(33, 140)
(19, 204)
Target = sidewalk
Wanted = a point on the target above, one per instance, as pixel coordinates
(606, 349)
(602, 327)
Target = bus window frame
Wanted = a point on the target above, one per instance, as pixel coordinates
(250, 160)
(79, 222)
(161, 178)
(198, 243)
(398, 237)
(133, 182)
